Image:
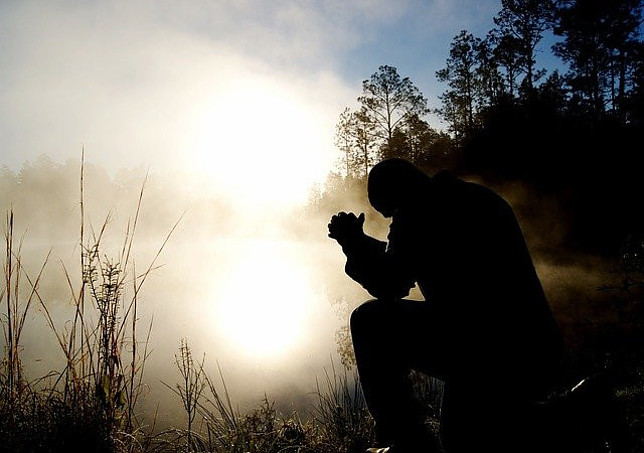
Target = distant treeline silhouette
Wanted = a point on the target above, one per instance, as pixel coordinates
(573, 135)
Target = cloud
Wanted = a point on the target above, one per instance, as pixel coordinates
(138, 82)
(130, 79)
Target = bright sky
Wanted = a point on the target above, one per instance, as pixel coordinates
(245, 92)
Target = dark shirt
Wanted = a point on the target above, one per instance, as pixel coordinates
(461, 243)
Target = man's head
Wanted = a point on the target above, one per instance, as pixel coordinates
(393, 183)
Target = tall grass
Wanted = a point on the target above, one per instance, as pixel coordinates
(89, 405)
(339, 423)
(341, 412)
(221, 428)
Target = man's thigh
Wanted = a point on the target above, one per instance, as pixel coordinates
(415, 329)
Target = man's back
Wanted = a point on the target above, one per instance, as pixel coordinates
(464, 246)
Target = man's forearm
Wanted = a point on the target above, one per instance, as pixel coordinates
(370, 266)
(364, 245)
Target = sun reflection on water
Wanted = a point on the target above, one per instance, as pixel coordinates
(263, 304)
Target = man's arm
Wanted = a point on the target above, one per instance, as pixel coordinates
(368, 261)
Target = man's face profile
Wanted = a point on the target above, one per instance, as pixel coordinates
(390, 183)
(384, 206)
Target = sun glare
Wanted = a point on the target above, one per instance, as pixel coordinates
(259, 143)
(263, 304)
(262, 147)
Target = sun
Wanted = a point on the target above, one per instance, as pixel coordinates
(262, 305)
(261, 143)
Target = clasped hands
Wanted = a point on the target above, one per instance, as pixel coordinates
(346, 227)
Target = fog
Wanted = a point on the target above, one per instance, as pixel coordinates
(261, 294)
(569, 274)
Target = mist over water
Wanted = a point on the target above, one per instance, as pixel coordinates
(260, 292)
(250, 290)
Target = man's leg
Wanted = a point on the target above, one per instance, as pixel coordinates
(389, 339)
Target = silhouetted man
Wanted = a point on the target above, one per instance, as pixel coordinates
(485, 327)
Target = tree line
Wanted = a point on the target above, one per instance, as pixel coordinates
(574, 131)
(389, 123)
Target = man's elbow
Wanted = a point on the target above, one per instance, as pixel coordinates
(387, 292)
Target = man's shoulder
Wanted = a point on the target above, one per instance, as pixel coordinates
(461, 188)
(444, 177)
(447, 181)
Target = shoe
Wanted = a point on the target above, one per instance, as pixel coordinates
(392, 449)
(424, 442)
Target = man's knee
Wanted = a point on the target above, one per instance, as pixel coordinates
(369, 314)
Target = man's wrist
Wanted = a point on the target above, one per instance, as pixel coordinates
(351, 241)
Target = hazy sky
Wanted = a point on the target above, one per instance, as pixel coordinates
(239, 90)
